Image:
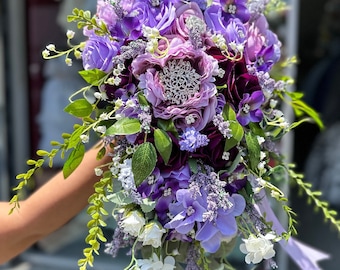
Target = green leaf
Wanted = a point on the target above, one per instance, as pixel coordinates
(167, 125)
(120, 198)
(74, 159)
(228, 113)
(75, 137)
(163, 144)
(79, 108)
(142, 99)
(237, 135)
(147, 205)
(143, 162)
(124, 126)
(93, 76)
(254, 150)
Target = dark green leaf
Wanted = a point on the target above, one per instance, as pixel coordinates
(142, 99)
(74, 159)
(124, 126)
(167, 125)
(93, 76)
(163, 144)
(79, 108)
(143, 162)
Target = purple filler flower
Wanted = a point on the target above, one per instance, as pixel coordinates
(249, 108)
(192, 139)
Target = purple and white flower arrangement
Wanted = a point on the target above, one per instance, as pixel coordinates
(186, 106)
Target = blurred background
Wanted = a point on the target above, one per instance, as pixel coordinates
(28, 122)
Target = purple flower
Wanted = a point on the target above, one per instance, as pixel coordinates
(179, 86)
(99, 52)
(192, 139)
(186, 211)
(249, 108)
(235, 9)
(211, 234)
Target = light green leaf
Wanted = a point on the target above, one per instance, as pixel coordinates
(79, 108)
(73, 160)
(93, 76)
(124, 126)
(143, 162)
(228, 113)
(237, 135)
(163, 144)
(75, 137)
(142, 99)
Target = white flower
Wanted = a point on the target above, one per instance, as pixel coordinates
(152, 234)
(68, 61)
(70, 34)
(132, 223)
(84, 138)
(154, 263)
(50, 47)
(98, 171)
(258, 248)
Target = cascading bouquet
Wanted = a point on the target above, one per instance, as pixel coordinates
(182, 93)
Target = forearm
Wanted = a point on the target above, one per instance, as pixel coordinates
(47, 209)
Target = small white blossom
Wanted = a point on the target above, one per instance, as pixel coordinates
(152, 234)
(100, 129)
(50, 47)
(70, 34)
(258, 248)
(225, 155)
(98, 171)
(154, 263)
(132, 223)
(150, 33)
(260, 140)
(68, 61)
(273, 103)
(84, 138)
(45, 53)
(104, 116)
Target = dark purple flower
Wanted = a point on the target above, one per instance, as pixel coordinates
(236, 9)
(187, 210)
(99, 52)
(249, 109)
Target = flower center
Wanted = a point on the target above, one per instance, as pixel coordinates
(246, 108)
(180, 81)
(190, 211)
(232, 9)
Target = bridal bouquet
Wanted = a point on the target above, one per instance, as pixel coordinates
(182, 95)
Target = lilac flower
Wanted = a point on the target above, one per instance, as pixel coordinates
(186, 211)
(249, 108)
(236, 9)
(211, 234)
(192, 139)
(99, 52)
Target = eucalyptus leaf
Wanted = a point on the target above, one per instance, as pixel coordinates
(143, 162)
(120, 198)
(79, 108)
(74, 159)
(163, 144)
(124, 126)
(147, 205)
(93, 76)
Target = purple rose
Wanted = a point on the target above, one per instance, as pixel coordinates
(99, 52)
(180, 86)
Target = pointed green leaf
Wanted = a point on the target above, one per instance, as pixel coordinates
(142, 99)
(75, 137)
(124, 126)
(73, 160)
(93, 76)
(228, 113)
(167, 125)
(79, 108)
(143, 162)
(163, 144)
(147, 205)
(254, 150)
(237, 135)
